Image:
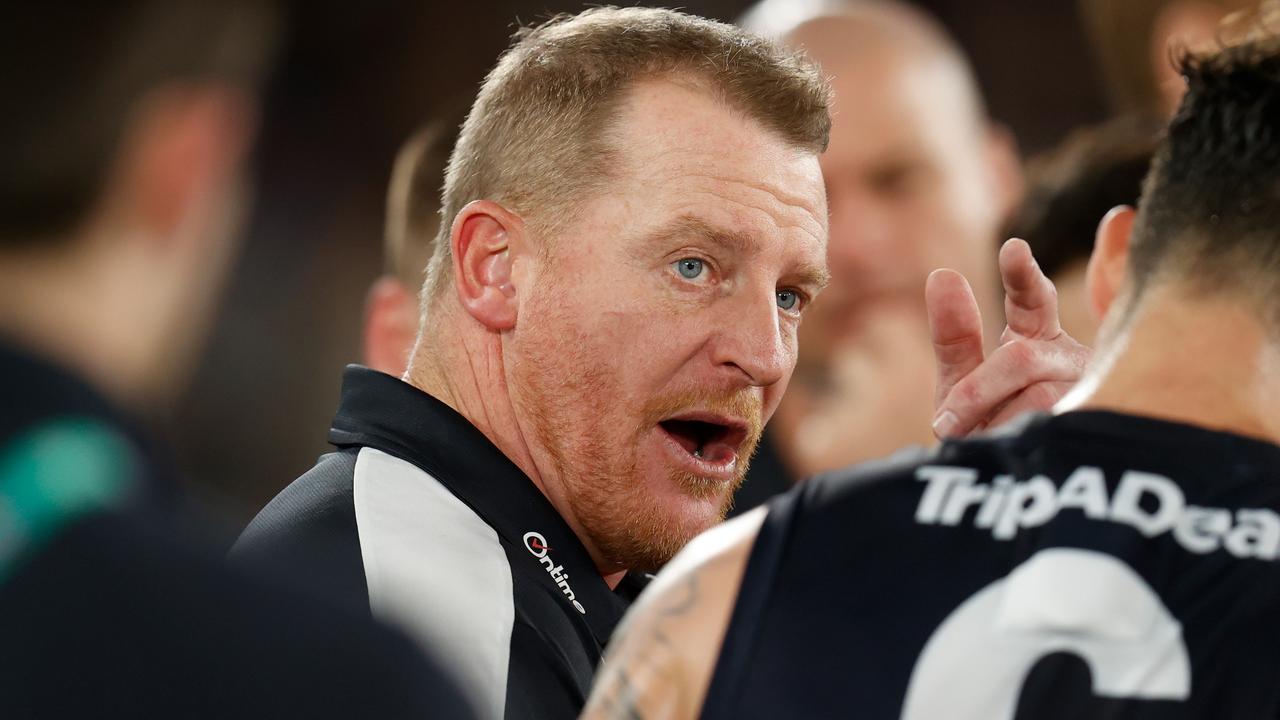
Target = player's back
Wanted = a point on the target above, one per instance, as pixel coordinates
(1087, 565)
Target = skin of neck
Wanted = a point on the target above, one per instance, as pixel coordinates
(1189, 357)
(81, 305)
(467, 373)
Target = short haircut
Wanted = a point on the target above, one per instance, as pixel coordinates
(413, 200)
(535, 138)
(74, 72)
(1209, 215)
(1071, 188)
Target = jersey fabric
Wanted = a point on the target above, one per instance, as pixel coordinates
(111, 605)
(1089, 565)
(425, 523)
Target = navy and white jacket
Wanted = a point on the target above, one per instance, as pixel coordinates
(422, 520)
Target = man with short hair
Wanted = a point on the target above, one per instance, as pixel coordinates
(918, 176)
(124, 135)
(1120, 558)
(391, 311)
(635, 223)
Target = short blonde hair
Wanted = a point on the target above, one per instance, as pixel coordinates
(534, 138)
(413, 201)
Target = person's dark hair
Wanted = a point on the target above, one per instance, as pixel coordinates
(1210, 208)
(73, 73)
(1070, 188)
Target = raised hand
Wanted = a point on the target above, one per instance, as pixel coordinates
(1035, 364)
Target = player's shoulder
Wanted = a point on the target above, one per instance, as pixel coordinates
(308, 533)
(728, 541)
(714, 560)
(213, 639)
(320, 500)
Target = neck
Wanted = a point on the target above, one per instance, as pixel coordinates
(466, 372)
(74, 311)
(1202, 361)
(461, 364)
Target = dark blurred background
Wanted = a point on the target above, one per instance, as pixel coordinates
(353, 81)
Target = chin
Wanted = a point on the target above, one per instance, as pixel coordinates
(644, 528)
(687, 508)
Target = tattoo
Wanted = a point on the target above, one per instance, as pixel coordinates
(623, 702)
(680, 605)
(618, 697)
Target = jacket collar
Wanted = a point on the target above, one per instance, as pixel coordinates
(382, 412)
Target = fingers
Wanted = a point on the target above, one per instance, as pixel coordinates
(1031, 301)
(1012, 369)
(955, 327)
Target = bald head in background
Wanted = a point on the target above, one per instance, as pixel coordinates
(917, 178)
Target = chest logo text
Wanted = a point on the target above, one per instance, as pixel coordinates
(537, 546)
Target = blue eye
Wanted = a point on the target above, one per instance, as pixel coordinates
(689, 268)
(788, 299)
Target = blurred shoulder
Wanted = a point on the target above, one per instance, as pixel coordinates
(137, 598)
(662, 656)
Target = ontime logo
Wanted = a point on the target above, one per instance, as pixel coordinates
(537, 546)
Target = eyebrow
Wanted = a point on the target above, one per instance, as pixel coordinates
(686, 225)
(814, 276)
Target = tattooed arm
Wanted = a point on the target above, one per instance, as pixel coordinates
(661, 658)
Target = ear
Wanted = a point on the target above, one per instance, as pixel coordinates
(1109, 263)
(390, 325)
(184, 147)
(1006, 169)
(482, 239)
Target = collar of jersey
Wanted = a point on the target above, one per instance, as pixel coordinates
(1142, 434)
(382, 412)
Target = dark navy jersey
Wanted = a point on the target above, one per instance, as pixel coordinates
(1090, 565)
(111, 605)
(767, 477)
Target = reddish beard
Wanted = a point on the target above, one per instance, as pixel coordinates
(613, 504)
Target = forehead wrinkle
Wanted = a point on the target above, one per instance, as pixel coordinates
(652, 171)
(788, 199)
(816, 235)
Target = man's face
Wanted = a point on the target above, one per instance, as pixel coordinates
(909, 186)
(657, 332)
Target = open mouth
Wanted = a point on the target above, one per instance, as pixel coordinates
(710, 439)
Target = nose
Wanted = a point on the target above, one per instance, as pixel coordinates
(751, 342)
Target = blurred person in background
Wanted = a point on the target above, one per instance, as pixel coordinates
(1069, 190)
(125, 133)
(1116, 559)
(917, 177)
(1139, 40)
(610, 319)
(392, 310)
